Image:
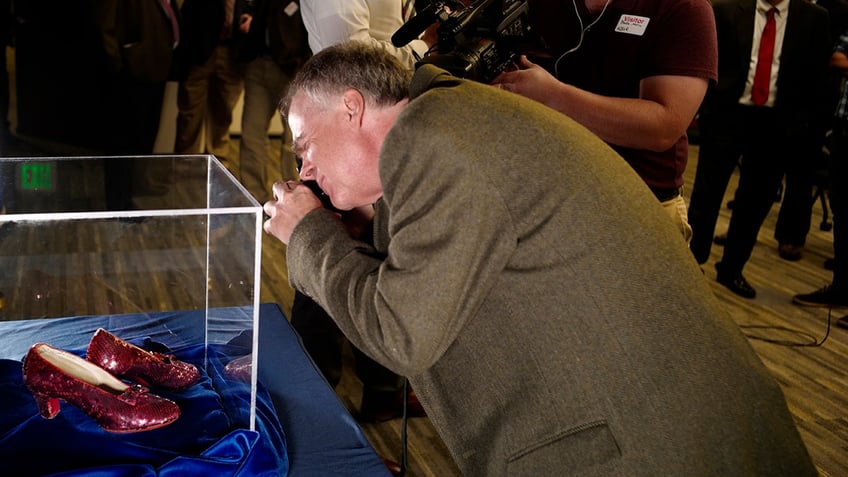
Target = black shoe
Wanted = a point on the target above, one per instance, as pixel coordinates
(737, 284)
(789, 252)
(825, 297)
(720, 239)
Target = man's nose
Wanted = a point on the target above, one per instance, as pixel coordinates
(307, 171)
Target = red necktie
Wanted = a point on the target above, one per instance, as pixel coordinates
(762, 77)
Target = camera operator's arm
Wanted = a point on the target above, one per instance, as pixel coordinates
(330, 22)
(654, 121)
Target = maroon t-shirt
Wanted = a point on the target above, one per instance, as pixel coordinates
(632, 40)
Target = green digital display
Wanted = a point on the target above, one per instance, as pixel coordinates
(36, 175)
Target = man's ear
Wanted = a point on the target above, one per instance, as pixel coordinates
(354, 104)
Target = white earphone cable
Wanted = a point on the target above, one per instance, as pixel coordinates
(582, 32)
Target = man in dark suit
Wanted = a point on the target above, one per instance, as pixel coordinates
(796, 209)
(835, 294)
(138, 40)
(765, 132)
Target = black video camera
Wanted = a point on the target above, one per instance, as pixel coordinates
(477, 42)
(316, 189)
(322, 196)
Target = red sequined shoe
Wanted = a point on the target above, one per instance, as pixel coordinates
(129, 361)
(52, 374)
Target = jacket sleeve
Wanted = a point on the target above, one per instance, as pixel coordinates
(444, 236)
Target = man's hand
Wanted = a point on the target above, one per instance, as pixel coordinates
(292, 201)
(529, 80)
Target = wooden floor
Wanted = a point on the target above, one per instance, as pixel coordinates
(808, 356)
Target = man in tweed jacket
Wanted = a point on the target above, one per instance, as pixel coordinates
(523, 277)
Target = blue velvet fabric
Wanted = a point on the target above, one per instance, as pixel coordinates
(321, 438)
(211, 437)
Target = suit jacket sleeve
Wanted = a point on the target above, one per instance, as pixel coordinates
(136, 38)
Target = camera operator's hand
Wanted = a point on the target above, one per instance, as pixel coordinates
(292, 201)
(529, 80)
(431, 37)
(244, 22)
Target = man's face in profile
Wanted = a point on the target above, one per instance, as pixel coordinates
(333, 144)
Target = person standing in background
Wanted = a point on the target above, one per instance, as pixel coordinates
(796, 208)
(835, 294)
(6, 34)
(211, 81)
(272, 46)
(330, 22)
(634, 73)
(766, 110)
(139, 39)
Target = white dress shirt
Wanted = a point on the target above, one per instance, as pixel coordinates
(329, 22)
(780, 17)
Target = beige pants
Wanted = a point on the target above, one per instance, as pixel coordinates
(676, 209)
(205, 100)
(259, 166)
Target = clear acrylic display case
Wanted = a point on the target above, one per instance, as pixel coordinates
(144, 237)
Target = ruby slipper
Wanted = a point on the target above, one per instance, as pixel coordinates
(52, 375)
(129, 361)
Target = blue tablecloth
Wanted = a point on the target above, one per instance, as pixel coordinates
(310, 433)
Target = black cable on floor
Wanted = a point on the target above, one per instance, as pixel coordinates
(812, 340)
(403, 442)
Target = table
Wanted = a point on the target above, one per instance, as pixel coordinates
(321, 437)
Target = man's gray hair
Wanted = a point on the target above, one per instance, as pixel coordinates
(381, 78)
